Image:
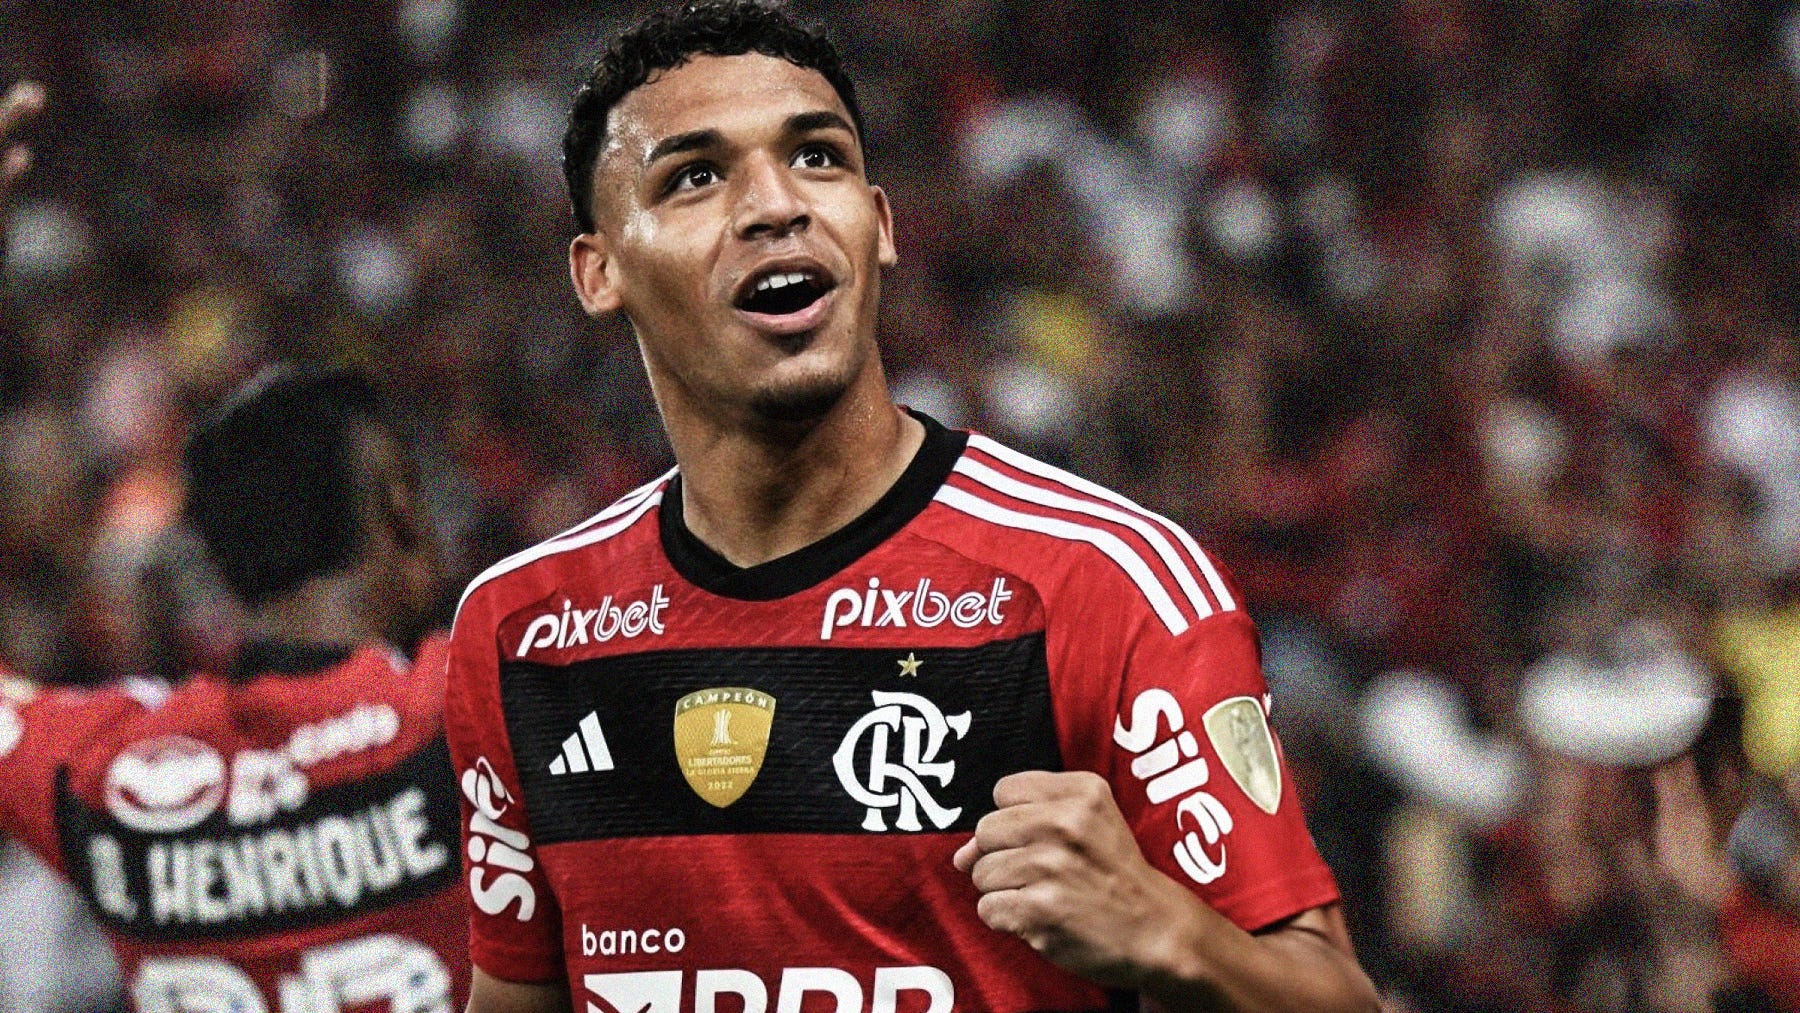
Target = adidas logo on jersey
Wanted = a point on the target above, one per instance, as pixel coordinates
(584, 751)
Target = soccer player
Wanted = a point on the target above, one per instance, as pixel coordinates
(281, 837)
(850, 711)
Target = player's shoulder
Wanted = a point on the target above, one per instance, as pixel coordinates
(382, 665)
(136, 692)
(41, 724)
(431, 650)
(1058, 529)
(601, 535)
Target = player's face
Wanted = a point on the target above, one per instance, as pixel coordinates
(739, 234)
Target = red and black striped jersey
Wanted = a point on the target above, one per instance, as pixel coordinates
(282, 839)
(684, 779)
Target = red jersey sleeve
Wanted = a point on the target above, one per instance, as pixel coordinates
(515, 925)
(41, 730)
(1176, 717)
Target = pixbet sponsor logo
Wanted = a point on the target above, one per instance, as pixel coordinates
(166, 784)
(498, 855)
(920, 606)
(797, 988)
(172, 783)
(1170, 765)
(573, 627)
(267, 781)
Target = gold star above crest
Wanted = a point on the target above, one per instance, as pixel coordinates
(909, 665)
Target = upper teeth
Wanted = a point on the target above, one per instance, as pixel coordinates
(775, 281)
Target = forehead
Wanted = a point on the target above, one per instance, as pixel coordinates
(729, 94)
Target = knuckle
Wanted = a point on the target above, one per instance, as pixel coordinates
(1088, 781)
(1005, 789)
(1093, 790)
(997, 912)
(1049, 865)
(1068, 823)
(1044, 900)
(986, 873)
(994, 831)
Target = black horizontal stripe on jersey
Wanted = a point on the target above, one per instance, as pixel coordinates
(343, 851)
(820, 696)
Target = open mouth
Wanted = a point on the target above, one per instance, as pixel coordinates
(785, 292)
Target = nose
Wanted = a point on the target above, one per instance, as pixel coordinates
(769, 205)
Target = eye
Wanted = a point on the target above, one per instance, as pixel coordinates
(817, 156)
(692, 177)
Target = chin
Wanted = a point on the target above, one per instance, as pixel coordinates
(805, 400)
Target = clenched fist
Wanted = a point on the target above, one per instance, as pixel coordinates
(1057, 866)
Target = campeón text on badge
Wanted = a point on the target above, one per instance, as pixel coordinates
(721, 737)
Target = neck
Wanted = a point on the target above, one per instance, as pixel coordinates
(325, 610)
(753, 496)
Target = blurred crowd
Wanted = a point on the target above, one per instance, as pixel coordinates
(1466, 333)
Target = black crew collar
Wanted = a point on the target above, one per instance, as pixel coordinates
(809, 566)
(286, 657)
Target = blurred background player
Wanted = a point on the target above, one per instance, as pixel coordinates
(60, 963)
(279, 835)
(1696, 842)
(1726, 838)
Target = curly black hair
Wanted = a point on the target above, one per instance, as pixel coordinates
(668, 39)
(273, 485)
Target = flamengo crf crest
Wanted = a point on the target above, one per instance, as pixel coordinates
(721, 737)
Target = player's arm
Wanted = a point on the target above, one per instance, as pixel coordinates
(1058, 866)
(40, 729)
(515, 923)
(488, 994)
(1171, 856)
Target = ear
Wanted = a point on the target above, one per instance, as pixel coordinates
(415, 567)
(398, 509)
(887, 253)
(590, 270)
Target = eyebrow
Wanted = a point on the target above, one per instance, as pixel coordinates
(693, 140)
(824, 119)
(699, 140)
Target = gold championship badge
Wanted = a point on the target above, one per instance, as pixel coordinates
(721, 737)
(1240, 735)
